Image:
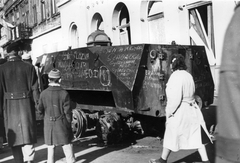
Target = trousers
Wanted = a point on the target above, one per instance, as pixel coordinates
(67, 150)
(23, 153)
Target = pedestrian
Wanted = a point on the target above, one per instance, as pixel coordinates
(26, 57)
(18, 96)
(228, 113)
(54, 103)
(2, 133)
(184, 119)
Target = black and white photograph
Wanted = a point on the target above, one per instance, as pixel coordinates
(119, 81)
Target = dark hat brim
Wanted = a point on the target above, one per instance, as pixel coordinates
(13, 47)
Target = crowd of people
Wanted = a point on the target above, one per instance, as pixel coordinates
(19, 99)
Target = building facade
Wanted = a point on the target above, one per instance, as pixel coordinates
(57, 25)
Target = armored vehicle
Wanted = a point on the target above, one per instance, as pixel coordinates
(121, 89)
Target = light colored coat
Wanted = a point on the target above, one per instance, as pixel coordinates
(228, 111)
(183, 128)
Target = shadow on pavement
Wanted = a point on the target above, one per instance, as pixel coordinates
(195, 157)
(93, 149)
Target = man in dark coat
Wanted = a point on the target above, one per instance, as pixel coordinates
(2, 133)
(18, 95)
(228, 112)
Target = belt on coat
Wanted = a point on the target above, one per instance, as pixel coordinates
(189, 101)
(56, 118)
(17, 95)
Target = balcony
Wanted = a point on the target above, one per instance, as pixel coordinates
(21, 31)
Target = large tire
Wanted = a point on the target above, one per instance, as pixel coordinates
(79, 123)
(109, 128)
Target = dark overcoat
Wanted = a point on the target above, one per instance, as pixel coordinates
(54, 103)
(18, 92)
(1, 113)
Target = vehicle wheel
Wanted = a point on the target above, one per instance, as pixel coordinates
(109, 128)
(79, 123)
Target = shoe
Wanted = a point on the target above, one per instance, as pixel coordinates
(157, 161)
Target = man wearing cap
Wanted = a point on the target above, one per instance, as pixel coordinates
(54, 103)
(18, 96)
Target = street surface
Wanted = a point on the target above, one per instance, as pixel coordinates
(89, 150)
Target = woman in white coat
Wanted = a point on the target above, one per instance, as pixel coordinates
(184, 118)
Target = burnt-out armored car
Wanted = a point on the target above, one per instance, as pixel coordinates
(117, 86)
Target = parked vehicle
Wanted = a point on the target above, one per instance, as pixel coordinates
(121, 89)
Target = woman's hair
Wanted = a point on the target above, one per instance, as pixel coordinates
(178, 62)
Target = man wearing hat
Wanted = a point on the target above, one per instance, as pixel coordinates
(54, 103)
(18, 95)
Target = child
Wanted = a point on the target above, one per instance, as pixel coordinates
(54, 103)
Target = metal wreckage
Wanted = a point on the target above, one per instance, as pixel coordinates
(120, 90)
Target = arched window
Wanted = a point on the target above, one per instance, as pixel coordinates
(74, 38)
(97, 22)
(121, 22)
(155, 18)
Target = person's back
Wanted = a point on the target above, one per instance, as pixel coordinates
(54, 103)
(54, 98)
(16, 71)
(18, 95)
(185, 80)
(184, 119)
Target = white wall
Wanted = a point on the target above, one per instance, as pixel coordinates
(47, 43)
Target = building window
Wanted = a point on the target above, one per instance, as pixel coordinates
(121, 25)
(27, 18)
(17, 15)
(74, 36)
(53, 7)
(124, 27)
(155, 19)
(43, 10)
(34, 14)
(13, 18)
(201, 27)
(97, 22)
